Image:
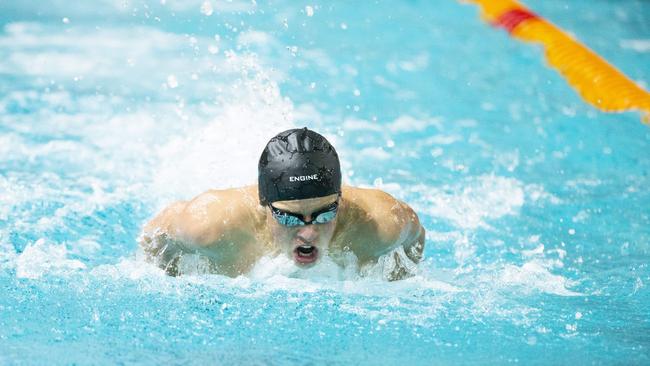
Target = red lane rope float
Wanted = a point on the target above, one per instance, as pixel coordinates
(511, 19)
(596, 81)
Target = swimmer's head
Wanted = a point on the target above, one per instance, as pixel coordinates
(299, 183)
(298, 164)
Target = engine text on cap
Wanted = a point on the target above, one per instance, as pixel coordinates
(302, 178)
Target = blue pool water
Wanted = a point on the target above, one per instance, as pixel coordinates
(535, 204)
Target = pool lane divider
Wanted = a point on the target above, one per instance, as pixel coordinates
(598, 82)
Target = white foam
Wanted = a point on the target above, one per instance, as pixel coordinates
(638, 45)
(206, 8)
(536, 193)
(408, 123)
(476, 201)
(154, 152)
(377, 153)
(223, 153)
(473, 202)
(534, 276)
(401, 124)
(252, 37)
(181, 158)
(223, 6)
(583, 185)
(323, 62)
(130, 268)
(87, 245)
(415, 63)
(274, 273)
(354, 124)
(7, 253)
(440, 139)
(41, 258)
(76, 53)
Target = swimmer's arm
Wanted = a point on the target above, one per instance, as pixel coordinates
(404, 229)
(395, 224)
(215, 224)
(413, 234)
(399, 226)
(158, 245)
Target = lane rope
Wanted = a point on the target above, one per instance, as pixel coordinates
(598, 82)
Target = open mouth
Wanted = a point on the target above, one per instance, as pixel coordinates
(305, 254)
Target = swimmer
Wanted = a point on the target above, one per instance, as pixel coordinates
(298, 209)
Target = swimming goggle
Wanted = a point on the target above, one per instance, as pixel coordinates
(292, 219)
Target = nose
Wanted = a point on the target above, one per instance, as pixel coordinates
(307, 233)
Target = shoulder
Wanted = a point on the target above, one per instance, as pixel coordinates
(375, 202)
(234, 201)
(384, 216)
(218, 214)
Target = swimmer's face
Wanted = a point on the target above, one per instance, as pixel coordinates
(304, 243)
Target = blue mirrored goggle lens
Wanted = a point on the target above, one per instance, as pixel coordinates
(289, 219)
(325, 217)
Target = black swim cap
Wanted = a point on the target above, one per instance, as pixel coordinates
(298, 164)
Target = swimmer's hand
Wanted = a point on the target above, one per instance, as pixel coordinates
(412, 247)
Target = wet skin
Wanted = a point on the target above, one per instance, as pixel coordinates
(233, 230)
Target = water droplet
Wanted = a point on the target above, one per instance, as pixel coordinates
(309, 10)
(638, 284)
(206, 8)
(213, 49)
(172, 82)
(390, 143)
(344, 26)
(578, 315)
(572, 232)
(356, 92)
(293, 50)
(65, 20)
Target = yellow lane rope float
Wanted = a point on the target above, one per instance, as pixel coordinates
(598, 82)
